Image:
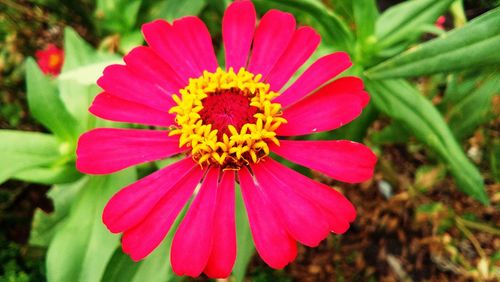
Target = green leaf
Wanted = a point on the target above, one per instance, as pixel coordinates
(399, 100)
(25, 150)
(44, 226)
(394, 133)
(155, 267)
(475, 109)
(120, 267)
(88, 74)
(365, 17)
(49, 175)
(77, 52)
(173, 9)
(335, 29)
(46, 105)
(77, 83)
(246, 248)
(83, 246)
(401, 23)
(117, 15)
(473, 46)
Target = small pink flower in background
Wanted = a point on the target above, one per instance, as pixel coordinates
(440, 22)
(50, 59)
(226, 122)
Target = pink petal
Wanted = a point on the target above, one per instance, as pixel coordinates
(133, 203)
(271, 39)
(223, 255)
(192, 242)
(143, 61)
(119, 81)
(168, 44)
(343, 160)
(333, 106)
(198, 42)
(272, 241)
(304, 220)
(338, 210)
(304, 42)
(113, 108)
(106, 150)
(238, 25)
(321, 71)
(143, 238)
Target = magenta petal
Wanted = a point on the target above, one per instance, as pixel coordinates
(113, 108)
(333, 106)
(223, 255)
(304, 42)
(271, 39)
(167, 44)
(106, 150)
(343, 160)
(305, 222)
(143, 238)
(198, 42)
(143, 61)
(321, 71)
(192, 242)
(133, 203)
(272, 241)
(119, 81)
(338, 210)
(238, 25)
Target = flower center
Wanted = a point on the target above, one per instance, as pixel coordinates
(227, 118)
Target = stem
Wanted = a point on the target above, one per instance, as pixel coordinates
(480, 226)
(457, 10)
(470, 236)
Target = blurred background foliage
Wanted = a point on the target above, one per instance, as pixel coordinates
(433, 121)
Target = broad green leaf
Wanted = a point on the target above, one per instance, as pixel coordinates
(55, 174)
(44, 226)
(83, 246)
(401, 23)
(77, 52)
(335, 29)
(82, 67)
(120, 267)
(88, 74)
(155, 267)
(117, 15)
(399, 100)
(173, 9)
(473, 46)
(46, 106)
(22, 150)
(475, 109)
(246, 248)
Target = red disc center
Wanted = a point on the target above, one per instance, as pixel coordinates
(227, 107)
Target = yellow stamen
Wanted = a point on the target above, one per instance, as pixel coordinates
(247, 145)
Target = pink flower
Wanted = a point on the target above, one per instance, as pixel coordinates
(440, 22)
(226, 122)
(50, 59)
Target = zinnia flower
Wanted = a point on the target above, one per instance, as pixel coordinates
(226, 122)
(50, 59)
